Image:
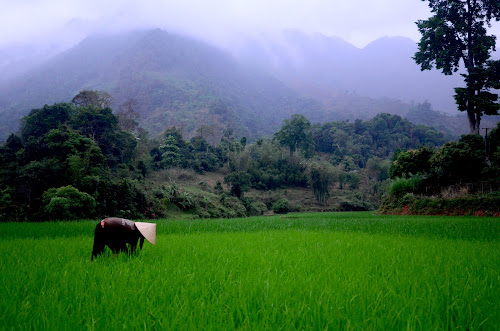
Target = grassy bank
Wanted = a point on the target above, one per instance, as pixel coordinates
(300, 271)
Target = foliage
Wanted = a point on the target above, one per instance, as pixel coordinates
(296, 134)
(254, 208)
(40, 121)
(378, 168)
(281, 206)
(474, 205)
(76, 148)
(92, 98)
(353, 180)
(408, 163)
(402, 186)
(170, 152)
(126, 172)
(67, 202)
(458, 166)
(239, 181)
(320, 178)
(494, 145)
(268, 170)
(128, 115)
(460, 161)
(101, 125)
(379, 137)
(182, 199)
(176, 152)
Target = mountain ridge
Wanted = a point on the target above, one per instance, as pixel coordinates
(382, 69)
(181, 81)
(173, 77)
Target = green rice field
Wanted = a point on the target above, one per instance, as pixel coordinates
(297, 271)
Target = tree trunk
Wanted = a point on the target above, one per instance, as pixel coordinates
(474, 121)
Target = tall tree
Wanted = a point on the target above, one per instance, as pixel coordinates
(171, 153)
(296, 133)
(457, 32)
(127, 115)
(92, 98)
(205, 131)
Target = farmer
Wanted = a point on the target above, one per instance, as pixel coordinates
(116, 233)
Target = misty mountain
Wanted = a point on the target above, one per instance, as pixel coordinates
(175, 79)
(382, 69)
(17, 59)
(184, 82)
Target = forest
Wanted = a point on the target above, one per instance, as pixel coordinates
(82, 160)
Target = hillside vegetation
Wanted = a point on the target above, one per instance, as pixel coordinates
(176, 81)
(180, 81)
(460, 177)
(78, 159)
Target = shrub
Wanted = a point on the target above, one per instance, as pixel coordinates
(254, 208)
(67, 202)
(235, 206)
(281, 206)
(408, 163)
(460, 161)
(239, 181)
(402, 186)
(218, 188)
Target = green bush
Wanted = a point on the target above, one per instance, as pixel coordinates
(235, 206)
(408, 163)
(240, 182)
(67, 202)
(281, 206)
(461, 161)
(256, 208)
(402, 186)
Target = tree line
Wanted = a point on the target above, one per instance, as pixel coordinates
(81, 160)
(460, 177)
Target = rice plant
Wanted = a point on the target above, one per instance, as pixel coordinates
(300, 271)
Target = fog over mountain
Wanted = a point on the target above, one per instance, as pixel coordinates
(384, 68)
(30, 30)
(186, 82)
(177, 80)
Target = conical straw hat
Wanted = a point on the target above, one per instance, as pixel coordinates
(148, 230)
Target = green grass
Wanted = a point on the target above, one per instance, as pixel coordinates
(299, 271)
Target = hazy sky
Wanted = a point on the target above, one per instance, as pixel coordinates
(357, 21)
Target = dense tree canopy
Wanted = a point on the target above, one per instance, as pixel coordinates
(296, 134)
(411, 162)
(75, 161)
(460, 167)
(63, 162)
(379, 137)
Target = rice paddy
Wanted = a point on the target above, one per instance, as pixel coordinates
(298, 271)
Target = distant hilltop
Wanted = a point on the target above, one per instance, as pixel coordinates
(184, 82)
